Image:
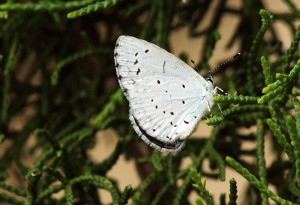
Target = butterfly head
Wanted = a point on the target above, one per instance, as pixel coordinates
(209, 78)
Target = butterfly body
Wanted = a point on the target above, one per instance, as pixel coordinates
(167, 98)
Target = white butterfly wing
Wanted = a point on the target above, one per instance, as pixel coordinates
(167, 98)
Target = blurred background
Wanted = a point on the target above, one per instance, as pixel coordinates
(60, 95)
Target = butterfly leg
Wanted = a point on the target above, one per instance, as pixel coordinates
(219, 89)
(208, 106)
(220, 108)
(222, 91)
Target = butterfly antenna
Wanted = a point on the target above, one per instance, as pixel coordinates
(193, 62)
(234, 58)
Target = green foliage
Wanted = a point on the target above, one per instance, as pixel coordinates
(91, 8)
(200, 186)
(251, 60)
(261, 162)
(255, 182)
(56, 63)
(233, 192)
(294, 132)
(125, 195)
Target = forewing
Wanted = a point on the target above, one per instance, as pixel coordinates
(135, 58)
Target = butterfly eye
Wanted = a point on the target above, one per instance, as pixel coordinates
(209, 79)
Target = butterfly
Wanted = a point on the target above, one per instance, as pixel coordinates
(167, 98)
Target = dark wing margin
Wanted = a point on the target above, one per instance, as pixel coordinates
(170, 146)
